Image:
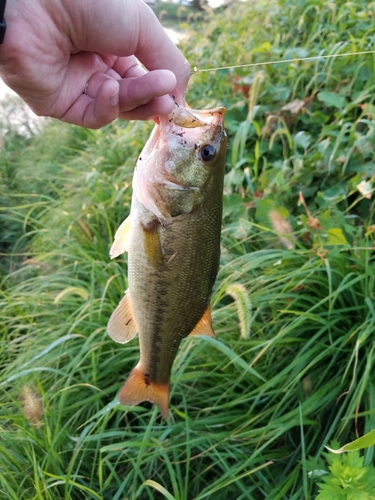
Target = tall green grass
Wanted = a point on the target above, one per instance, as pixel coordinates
(291, 368)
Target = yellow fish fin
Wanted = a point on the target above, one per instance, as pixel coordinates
(152, 243)
(139, 387)
(121, 242)
(204, 325)
(121, 325)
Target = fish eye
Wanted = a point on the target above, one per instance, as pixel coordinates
(207, 152)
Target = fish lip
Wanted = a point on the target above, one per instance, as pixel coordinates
(214, 117)
(194, 118)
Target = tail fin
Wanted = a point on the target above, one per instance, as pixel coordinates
(139, 387)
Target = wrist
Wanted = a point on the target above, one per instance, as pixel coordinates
(3, 24)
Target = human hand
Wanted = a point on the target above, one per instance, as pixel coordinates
(76, 60)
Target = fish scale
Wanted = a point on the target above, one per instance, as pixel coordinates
(189, 288)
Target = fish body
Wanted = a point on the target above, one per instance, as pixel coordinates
(173, 240)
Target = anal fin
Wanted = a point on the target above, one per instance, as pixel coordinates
(204, 325)
(121, 325)
(139, 387)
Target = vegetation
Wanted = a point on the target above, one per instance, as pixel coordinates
(291, 368)
(177, 12)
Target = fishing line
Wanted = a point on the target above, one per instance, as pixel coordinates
(280, 61)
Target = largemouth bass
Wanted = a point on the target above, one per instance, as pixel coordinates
(172, 236)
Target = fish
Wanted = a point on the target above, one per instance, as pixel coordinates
(172, 237)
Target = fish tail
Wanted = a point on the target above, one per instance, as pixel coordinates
(139, 387)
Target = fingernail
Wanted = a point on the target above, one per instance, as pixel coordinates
(114, 98)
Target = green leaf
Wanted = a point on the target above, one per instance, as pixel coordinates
(234, 206)
(332, 99)
(360, 443)
(302, 139)
(336, 237)
(234, 178)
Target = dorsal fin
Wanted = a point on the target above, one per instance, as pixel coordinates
(204, 325)
(140, 387)
(121, 325)
(121, 242)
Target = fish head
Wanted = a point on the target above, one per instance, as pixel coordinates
(182, 163)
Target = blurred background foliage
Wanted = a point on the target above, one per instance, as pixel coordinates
(291, 367)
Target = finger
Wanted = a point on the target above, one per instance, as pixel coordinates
(159, 106)
(135, 92)
(96, 81)
(139, 94)
(128, 67)
(86, 72)
(95, 112)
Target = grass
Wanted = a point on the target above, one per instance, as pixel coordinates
(291, 368)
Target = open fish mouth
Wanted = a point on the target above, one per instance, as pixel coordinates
(187, 120)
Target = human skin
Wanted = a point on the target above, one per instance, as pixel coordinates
(77, 60)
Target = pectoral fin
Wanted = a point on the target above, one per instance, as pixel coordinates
(152, 243)
(139, 387)
(204, 326)
(122, 326)
(121, 242)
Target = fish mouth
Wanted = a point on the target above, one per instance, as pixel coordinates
(191, 125)
(193, 118)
